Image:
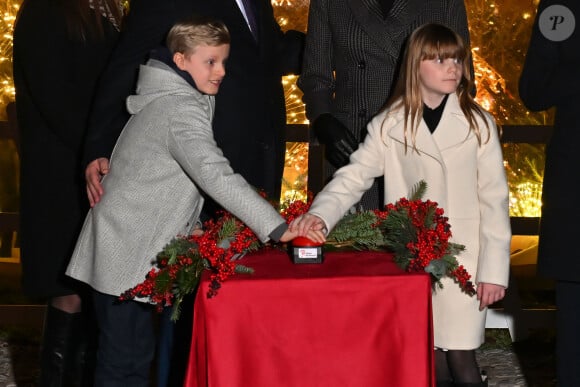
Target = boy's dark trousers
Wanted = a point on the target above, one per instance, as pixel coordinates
(174, 343)
(126, 342)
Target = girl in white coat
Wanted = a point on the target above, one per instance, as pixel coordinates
(433, 130)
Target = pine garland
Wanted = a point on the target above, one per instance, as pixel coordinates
(357, 230)
(414, 230)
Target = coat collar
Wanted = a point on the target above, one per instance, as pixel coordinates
(387, 33)
(453, 129)
(258, 14)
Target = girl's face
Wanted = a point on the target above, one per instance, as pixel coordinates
(439, 77)
(206, 65)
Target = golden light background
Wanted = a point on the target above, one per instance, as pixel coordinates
(500, 33)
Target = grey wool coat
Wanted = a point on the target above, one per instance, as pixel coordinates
(163, 160)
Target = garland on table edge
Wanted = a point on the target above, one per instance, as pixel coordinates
(418, 234)
(414, 230)
(180, 264)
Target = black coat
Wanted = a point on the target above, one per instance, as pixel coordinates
(55, 79)
(551, 78)
(250, 116)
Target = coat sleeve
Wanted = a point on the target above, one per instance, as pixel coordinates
(316, 80)
(350, 182)
(494, 231)
(191, 143)
(546, 79)
(143, 29)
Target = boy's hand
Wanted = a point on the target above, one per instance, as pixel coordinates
(306, 223)
(93, 175)
(197, 231)
(488, 294)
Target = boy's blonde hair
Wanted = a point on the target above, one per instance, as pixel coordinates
(432, 41)
(186, 35)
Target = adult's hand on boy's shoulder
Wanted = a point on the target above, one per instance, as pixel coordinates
(94, 173)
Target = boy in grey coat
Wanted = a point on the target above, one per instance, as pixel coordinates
(164, 159)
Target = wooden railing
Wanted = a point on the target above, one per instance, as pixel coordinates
(9, 221)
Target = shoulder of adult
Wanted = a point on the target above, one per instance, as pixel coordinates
(143, 29)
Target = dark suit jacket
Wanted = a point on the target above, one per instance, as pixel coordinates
(250, 116)
(551, 78)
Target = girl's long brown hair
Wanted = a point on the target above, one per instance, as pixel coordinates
(428, 42)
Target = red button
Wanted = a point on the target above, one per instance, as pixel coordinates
(304, 242)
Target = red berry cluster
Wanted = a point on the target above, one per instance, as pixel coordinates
(295, 209)
(462, 277)
(218, 248)
(381, 216)
(430, 241)
(213, 250)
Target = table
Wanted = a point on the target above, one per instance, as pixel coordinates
(356, 320)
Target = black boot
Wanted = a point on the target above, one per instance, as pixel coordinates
(60, 348)
(444, 383)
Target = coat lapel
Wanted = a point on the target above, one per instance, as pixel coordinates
(242, 20)
(452, 130)
(385, 32)
(395, 128)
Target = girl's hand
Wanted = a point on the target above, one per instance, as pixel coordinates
(313, 235)
(305, 223)
(488, 294)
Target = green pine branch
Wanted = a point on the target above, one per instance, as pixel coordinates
(418, 190)
(357, 230)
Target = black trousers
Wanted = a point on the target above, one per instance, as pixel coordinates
(568, 333)
(126, 345)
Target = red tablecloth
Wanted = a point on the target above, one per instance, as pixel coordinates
(355, 320)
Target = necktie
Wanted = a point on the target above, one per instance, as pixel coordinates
(251, 15)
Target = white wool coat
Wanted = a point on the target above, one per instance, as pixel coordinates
(467, 180)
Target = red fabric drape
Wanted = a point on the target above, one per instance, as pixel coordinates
(355, 320)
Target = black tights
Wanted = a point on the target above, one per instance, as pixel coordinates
(458, 366)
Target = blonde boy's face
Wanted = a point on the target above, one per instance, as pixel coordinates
(206, 65)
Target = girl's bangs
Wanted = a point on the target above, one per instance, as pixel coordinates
(443, 49)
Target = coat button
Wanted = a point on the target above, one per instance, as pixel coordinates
(362, 113)
(362, 65)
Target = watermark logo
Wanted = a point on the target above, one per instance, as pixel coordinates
(557, 23)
